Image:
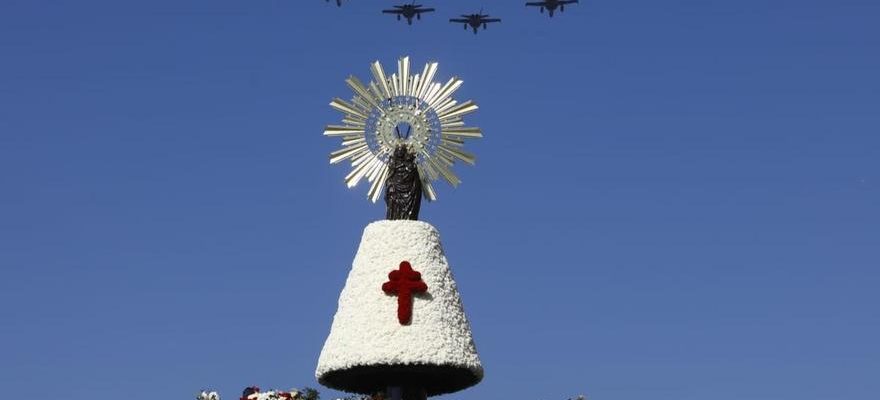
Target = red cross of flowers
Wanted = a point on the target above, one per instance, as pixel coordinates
(404, 282)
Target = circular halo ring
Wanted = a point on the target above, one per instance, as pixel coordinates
(402, 109)
(382, 131)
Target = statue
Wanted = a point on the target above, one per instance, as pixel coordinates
(403, 189)
(408, 337)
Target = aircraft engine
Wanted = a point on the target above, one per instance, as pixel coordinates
(398, 17)
(419, 16)
(485, 25)
(561, 7)
(465, 26)
(542, 10)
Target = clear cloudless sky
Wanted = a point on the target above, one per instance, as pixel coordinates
(673, 199)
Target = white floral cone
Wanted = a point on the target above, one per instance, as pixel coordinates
(368, 348)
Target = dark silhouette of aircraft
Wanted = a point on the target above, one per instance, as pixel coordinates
(409, 11)
(338, 2)
(475, 20)
(551, 5)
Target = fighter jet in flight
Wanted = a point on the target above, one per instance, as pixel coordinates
(338, 2)
(409, 11)
(475, 20)
(551, 5)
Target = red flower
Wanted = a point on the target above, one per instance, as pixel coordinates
(404, 282)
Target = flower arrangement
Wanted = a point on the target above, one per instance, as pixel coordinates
(206, 395)
(254, 393)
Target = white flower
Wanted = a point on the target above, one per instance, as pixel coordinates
(270, 395)
(205, 395)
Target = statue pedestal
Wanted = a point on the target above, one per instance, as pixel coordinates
(370, 350)
(405, 393)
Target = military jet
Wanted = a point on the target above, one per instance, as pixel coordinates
(551, 5)
(338, 2)
(409, 11)
(475, 20)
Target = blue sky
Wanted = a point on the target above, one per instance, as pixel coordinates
(673, 200)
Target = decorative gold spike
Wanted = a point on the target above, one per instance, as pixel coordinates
(358, 170)
(395, 85)
(451, 123)
(432, 91)
(446, 173)
(378, 185)
(451, 86)
(446, 105)
(348, 108)
(427, 79)
(355, 140)
(453, 141)
(362, 170)
(428, 190)
(341, 130)
(459, 154)
(361, 158)
(433, 98)
(414, 83)
(459, 110)
(374, 171)
(464, 132)
(403, 70)
(356, 86)
(346, 152)
(374, 89)
(445, 159)
(381, 80)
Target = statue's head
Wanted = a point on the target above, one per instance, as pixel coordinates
(404, 152)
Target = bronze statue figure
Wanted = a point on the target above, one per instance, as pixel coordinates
(403, 189)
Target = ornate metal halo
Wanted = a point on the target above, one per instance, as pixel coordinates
(403, 109)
